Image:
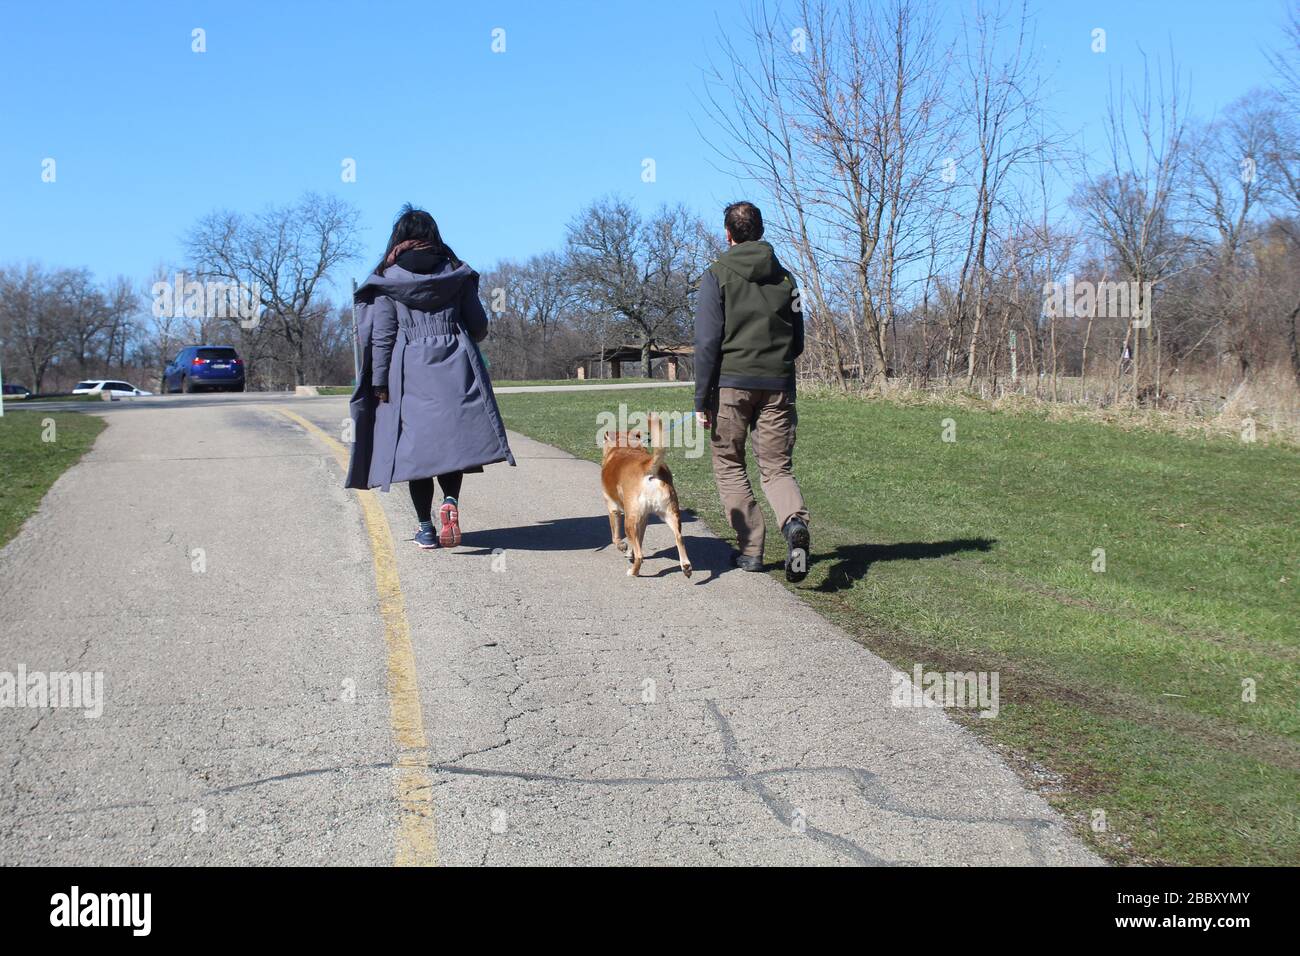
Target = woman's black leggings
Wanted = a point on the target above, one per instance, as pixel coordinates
(422, 492)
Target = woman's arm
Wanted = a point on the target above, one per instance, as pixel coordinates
(383, 333)
(472, 316)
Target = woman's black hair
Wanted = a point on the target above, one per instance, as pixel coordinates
(415, 223)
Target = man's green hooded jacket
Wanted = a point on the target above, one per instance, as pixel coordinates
(748, 328)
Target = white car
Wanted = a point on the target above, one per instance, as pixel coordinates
(98, 386)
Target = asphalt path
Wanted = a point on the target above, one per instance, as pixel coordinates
(287, 679)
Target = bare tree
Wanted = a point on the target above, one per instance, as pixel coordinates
(533, 306)
(1282, 179)
(1135, 204)
(1225, 159)
(847, 128)
(289, 254)
(166, 331)
(1286, 59)
(750, 99)
(31, 321)
(508, 346)
(541, 293)
(998, 97)
(639, 273)
(122, 302)
(85, 315)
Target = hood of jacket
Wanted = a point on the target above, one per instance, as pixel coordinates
(753, 261)
(428, 292)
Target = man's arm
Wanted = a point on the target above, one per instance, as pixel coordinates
(708, 341)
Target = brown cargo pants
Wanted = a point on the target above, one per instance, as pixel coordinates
(771, 416)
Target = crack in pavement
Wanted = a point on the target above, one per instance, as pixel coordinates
(779, 808)
(865, 781)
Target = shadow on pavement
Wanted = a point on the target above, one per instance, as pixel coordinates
(588, 533)
(591, 533)
(707, 554)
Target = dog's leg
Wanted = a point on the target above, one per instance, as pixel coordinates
(615, 533)
(635, 532)
(673, 519)
(642, 521)
(614, 529)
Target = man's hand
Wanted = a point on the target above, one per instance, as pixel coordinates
(381, 394)
(704, 418)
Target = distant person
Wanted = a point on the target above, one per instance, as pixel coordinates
(748, 333)
(424, 406)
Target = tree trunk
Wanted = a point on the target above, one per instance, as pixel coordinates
(1295, 346)
(878, 345)
(1119, 363)
(1083, 363)
(1055, 362)
(974, 339)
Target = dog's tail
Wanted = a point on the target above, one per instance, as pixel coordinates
(658, 446)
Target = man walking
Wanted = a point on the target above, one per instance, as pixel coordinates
(748, 333)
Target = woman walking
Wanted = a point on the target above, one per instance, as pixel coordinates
(423, 407)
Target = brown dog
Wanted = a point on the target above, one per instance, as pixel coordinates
(637, 485)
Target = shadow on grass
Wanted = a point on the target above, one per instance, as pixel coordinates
(852, 561)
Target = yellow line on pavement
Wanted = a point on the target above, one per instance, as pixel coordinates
(417, 843)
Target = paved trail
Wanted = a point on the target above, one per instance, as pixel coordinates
(520, 700)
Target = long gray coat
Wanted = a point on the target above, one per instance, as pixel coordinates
(417, 335)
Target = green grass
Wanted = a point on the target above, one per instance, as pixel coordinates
(1124, 686)
(347, 389)
(29, 464)
(625, 380)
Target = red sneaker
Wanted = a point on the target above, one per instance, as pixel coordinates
(449, 524)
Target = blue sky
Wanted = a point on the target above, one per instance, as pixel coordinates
(502, 148)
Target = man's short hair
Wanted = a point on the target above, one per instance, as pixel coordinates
(743, 221)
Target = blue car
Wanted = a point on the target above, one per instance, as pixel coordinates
(216, 367)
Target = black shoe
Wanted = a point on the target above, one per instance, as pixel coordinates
(746, 562)
(796, 557)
